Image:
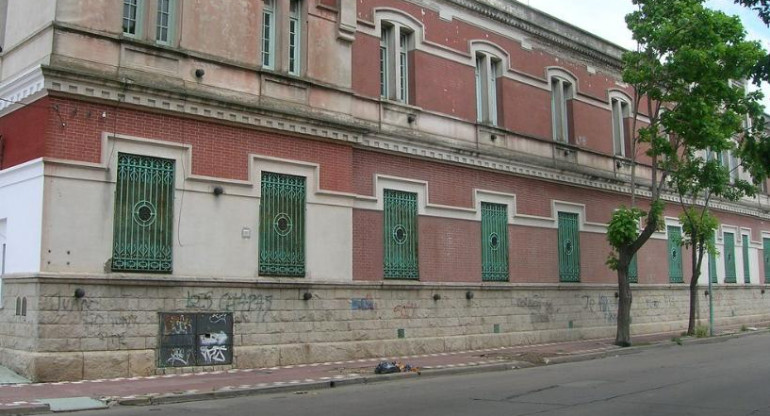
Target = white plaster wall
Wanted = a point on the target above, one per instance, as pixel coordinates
(329, 243)
(214, 236)
(3, 240)
(21, 210)
(35, 52)
(24, 17)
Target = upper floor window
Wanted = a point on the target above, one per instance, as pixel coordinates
(487, 72)
(282, 35)
(163, 21)
(395, 43)
(730, 162)
(268, 34)
(562, 90)
(137, 12)
(620, 112)
(295, 29)
(131, 15)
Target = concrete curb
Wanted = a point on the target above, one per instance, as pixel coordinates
(318, 385)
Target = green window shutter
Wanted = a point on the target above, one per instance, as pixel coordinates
(746, 265)
(400, 235)
(144, 215)
(766, 254)
(282, 225)
(713, 262)
(729, 241)
(633, 270)
(494, 242)
(675, 273)
(569, 247)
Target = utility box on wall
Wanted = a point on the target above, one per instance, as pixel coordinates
(194, 339)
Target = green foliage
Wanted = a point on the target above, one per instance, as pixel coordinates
(622, 231)
(762, 7)
(677, 340)
(744, 328)
(698, 225)
(624, 226)
(701, 331)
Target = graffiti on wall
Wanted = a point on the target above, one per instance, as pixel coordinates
(188, 339)
(247, 307)
(362, 304)
(540, 309)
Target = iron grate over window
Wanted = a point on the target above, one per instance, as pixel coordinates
(569, 247)
(675, 271)
(494, 242)
(282, 225)
(144, 211)
(729, 245)
(766, 255)
(400, 235)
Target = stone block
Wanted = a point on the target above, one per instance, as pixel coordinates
(105, 364)
(256, 357)
(47, 367)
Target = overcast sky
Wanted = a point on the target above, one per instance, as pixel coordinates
(605, 18)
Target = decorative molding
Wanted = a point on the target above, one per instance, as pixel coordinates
(339, 133)
(21, 87)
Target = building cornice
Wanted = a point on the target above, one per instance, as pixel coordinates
(59, 83)
(512, 14)
(18, 89)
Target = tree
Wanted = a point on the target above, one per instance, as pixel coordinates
(681, 74)
(762, 7)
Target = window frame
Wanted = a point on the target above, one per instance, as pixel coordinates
(620, 109)
(563, 89)
(488, 71)
(267, 43)
(138, 18)
(170, 24)
(396, 42)
(294, 42)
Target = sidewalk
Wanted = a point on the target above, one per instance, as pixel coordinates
(90, 394)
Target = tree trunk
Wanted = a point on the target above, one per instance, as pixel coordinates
(697, 260)
(623, 335)
(693, 302)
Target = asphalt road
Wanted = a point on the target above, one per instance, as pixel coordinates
(723, 378)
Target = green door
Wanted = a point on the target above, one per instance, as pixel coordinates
(400, 235)
(766, 255)
(569, 247)
(494, 242)
(144, 215)
(746, 264)
(675, 272)
(729, 242)
(282, 225)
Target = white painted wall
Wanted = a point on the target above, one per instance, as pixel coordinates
(214, 236)
(3, 245)
(21, 211)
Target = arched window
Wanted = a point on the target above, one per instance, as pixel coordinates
(562, 90)
(396, 41)
(620, 106)
(489, 70)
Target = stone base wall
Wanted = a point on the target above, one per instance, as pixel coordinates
(113, 330)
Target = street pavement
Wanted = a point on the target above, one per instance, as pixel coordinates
(67, 396)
